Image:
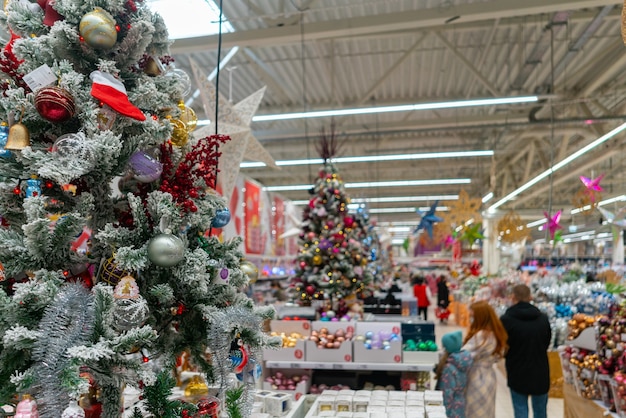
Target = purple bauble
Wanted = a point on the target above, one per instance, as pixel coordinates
(325, 244)
(146, 169)
(224, 273)
(222, 217)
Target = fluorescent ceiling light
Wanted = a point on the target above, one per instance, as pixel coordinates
(394, 199)
(557, 166)
(399, 229)
(181, 23)
(487, 197)
(397, 241)
(399, 183)
(403, 209)
(399, 108)
(536, 223)
(375, 158)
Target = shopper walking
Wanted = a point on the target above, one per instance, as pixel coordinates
(423, 295)
(527, 367)
(443, 299)
(451, 374)
(486, 340)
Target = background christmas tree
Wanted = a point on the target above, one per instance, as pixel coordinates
(105, 200)
(333, 259)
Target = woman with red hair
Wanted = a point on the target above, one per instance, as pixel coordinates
(486, 341)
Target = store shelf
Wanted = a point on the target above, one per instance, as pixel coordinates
(404, 367)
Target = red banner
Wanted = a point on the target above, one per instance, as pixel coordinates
(278, 225)
(252, 218)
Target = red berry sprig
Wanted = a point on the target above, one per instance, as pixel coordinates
(199, 163)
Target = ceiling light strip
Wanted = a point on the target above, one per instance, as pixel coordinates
(557, 166)
(362, 185)
(398, 108)
(375, 158)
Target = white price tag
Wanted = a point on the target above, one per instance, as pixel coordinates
(623, 337)
(608, 353)
(40, 77)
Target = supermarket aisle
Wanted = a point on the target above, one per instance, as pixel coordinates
(504, 409)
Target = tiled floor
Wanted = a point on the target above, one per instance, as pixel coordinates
(504, 408)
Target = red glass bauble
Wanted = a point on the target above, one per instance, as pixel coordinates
(55, 104)
(310, 290)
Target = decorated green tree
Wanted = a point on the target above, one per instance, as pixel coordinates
(332, 261)
(106, 199)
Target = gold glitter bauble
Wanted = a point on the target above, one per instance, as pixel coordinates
(180, 133)
(98, 29)
(188, 116)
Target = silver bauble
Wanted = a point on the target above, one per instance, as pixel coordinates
(166, 250)
(250, 270)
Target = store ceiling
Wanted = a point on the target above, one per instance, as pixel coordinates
(336, 54)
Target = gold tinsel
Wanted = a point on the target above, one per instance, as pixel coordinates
(511, 228)
(586, 200)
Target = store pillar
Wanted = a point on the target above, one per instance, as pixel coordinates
(491, 257)
(618, 246)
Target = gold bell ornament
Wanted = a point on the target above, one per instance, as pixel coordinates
(19, 137)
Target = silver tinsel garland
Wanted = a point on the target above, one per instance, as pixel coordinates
(67, 322)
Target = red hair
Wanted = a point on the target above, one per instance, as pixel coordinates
(485, 319)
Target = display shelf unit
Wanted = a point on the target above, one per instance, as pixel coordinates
(401, 367)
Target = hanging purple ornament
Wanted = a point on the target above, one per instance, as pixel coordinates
(222, 217)
(224, 273)
(145, 168)
(325, 244)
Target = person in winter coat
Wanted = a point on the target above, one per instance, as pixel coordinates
(486, 341)
(423, 295)
(527, 367)
(454, 378)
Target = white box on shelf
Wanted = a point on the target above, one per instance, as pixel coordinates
(346, 392)
(344, 415)
(380, 394)
(360, 415)
(415, 394)
(360, 403)
(420, 357)
(433, 397)
(278, 404)
(397, 395)
(363, 393)
(325, 403)
(343, 403)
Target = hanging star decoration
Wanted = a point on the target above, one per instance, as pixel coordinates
(553, 223)
(472, 233)
(618, 218)
(463, 209)
(234, 121)
(511, 228)
(592, 185)
(428, 220)
(585, 200)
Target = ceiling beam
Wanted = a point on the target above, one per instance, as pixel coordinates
(370, 25)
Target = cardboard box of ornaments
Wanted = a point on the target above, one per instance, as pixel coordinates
(420, 332)
(378, 342)
(336, 350)
(294, 347)
(294, 382)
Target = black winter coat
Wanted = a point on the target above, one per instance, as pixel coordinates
(527, 368)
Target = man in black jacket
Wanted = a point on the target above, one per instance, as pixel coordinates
(527, 368)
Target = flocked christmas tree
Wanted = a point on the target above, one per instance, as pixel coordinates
(106, 198)
(332, 263)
